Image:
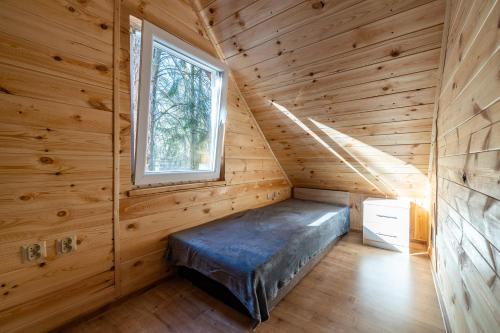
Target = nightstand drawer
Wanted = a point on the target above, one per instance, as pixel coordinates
(384, 214)
(378, 236)
(386, 227)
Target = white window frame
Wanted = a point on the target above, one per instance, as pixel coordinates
(181, 49)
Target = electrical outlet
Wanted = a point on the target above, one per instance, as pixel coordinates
(66, 245)
(33, 252)
(272, 195)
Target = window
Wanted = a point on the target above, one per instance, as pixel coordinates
(180, 108)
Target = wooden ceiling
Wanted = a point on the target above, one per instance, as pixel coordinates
(343, 89)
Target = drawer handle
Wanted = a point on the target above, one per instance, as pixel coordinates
(388, 217)
(387, 235)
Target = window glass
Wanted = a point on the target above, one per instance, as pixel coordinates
(180, 127)
(135, 65)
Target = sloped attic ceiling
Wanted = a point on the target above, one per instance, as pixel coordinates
(343, 90)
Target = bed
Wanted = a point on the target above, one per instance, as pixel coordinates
(260, 254)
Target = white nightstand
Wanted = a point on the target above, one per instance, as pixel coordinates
(386, 223)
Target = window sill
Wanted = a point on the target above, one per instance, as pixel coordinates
(174, 188)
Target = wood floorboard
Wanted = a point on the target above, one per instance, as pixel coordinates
(355, 288)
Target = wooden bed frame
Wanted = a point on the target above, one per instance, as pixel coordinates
(220, 292)
(302, 273)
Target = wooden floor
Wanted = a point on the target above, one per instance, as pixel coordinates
(355, 288)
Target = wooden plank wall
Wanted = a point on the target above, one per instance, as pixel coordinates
(56, 160)
(56, 64)
(343, 90)
(467, 239)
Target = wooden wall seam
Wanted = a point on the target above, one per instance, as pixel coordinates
(432, 171)
(116, 143)
(195, 4)
(285, 175)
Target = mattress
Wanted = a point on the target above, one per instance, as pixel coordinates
(257, 253)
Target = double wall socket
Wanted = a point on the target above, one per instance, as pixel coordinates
(66, 245)
(37, 251)
(272, 195)
(33, 252)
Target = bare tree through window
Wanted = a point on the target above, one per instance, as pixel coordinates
(180, 114)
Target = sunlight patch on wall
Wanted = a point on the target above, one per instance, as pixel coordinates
(292, 117)
(370, 158)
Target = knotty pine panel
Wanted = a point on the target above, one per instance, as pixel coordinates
(276, 23)
(334, 34)
(467, 237)
(406, 45)
(55, 309)
(56, 159)
(30, 24)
